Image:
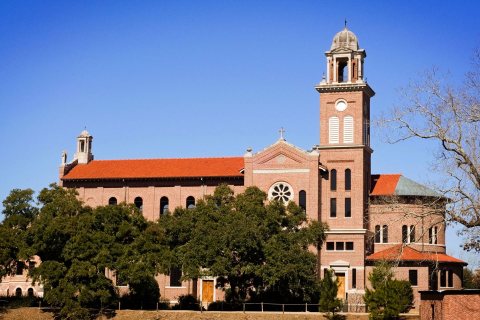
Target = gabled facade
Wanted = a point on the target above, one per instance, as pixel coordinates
(332, 182)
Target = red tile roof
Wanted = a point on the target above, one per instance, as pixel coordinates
(157, 168)
(384, 184)
(406, 253)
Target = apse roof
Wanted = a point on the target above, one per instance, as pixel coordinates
(398, 185)
(157, 168)
(406, 253)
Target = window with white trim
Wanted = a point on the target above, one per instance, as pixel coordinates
(381, 234)
(281, 191)
(348, 129)
(333, 128)
(339, 246)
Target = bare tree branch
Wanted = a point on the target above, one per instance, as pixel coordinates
(448, 115)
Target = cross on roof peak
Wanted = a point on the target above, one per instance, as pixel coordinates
(282, 133)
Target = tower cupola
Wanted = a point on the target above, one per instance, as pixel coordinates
(84, 148)
(344, 59)
(345, 39)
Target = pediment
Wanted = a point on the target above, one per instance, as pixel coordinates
(280, 159)
(341, 50)
(340, 263)
(281, 154)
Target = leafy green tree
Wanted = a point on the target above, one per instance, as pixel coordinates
(77, 244)
(9, 249)
(256, 249)
(18, 209)
(19, 212)
(328, 295)
(388, 297)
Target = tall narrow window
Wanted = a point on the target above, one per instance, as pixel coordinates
(19, 268)
(404, 234)
(163, 205)
(354, 278)
(138, 203)
(302, 199)
(342, 75)
(450, 279)
(413, 277)
(385, 234)
(175, 277)
(333, 180)
(348, 179)
(377, 234)
(412, 234)
(348, 207)
(333, 207)
(333, 128)
(348, 129)
(443, 278)
(190, 203)
(432, 235)
(112, 201)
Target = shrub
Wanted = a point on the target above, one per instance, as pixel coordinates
(187, 302)
(389, 297)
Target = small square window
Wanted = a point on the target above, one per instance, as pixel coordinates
(349, 245)
(330, 246)
(339, 246)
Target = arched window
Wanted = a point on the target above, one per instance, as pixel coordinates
(348, 179)
(302, 199)
(138, 203)
(333, 126)
(190, 203)
(412, 233)
(385, 234)
(18, 292)
(112, 201)
(342, 70)
(377, 234)
(348, 129)
(163, 205)
(404, 234)
(333, 180)
(30, 292)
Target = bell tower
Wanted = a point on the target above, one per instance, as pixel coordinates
(345, 151)
(84, 148)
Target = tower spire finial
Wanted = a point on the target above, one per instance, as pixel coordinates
(345, 23)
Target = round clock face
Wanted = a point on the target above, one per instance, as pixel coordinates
(341, 105)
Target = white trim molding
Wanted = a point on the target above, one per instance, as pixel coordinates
(276, 171)
(346, 231)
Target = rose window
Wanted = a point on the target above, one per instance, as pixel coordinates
(281, 191)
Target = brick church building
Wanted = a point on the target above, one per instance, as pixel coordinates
(372, 217)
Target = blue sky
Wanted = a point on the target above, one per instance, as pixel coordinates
(206, 78)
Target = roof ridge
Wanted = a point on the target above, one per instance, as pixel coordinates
(144, 159)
